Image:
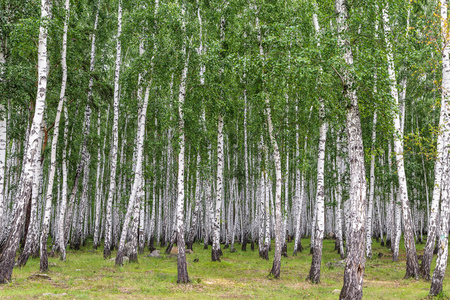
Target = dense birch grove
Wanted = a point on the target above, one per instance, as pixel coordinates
(130, 125)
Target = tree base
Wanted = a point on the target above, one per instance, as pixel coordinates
(284, 250)
(133, 257)
(244, 243)
(215, 255)
(264, 253)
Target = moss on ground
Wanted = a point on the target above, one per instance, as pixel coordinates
(86, 275)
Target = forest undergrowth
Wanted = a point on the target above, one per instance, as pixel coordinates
(86, 275)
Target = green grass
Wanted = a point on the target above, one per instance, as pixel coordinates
(86, 275)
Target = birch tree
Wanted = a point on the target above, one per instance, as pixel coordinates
(433, 221)
(355, 263)
(115, 140)
(412, 264)
(24, 192)
(182, 265)
(314, 272)
(444, 156)
(48, 199)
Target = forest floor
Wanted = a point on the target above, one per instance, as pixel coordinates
(86, 275)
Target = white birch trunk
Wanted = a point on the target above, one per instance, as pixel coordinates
(412, 264)
(24, 191)
(340, 166)
(433, 220)
(98, 185)
(371, 189)
(182, 265)
(245, 211)
(314, 273)
(133, 203)
(32, 232)
(444, 158)
(115, 141)
(3, 124)
(216, 251)
(355, 263)
(51, 175)
(61, 230)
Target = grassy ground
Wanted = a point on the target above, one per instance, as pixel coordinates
(86, 275)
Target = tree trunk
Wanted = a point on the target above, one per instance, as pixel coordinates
(115, 141)
(215, 252)
(245, 210)
(51, 176)
(371, 190)
(441, 262)
(24, 191)
(439, 165)
(314, 272)
(2, 154)
(341, 168)
(134, 203)
(99, 185)
(61, 231)
(355, 263)
(31, 235)
(412, 264)
(444, 157)
(182, 265)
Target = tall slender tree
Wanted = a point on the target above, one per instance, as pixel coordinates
(115, 140)
(23, 195)
(355, 263)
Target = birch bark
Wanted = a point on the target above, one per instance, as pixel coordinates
(98, 188)
(115, 141)
(314, 272)
(24, 191)
(134, 203)
(215, 252)
(441, 262)
(412, 264)
(48, 199)
(3, 124)
(371, 190)
(275, 272)
(439, 164)
(340, 166)
(245, 211)
(32, 231)
(61, 231)
(182, 265)
(355, 263)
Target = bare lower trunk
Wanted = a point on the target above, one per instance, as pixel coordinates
(61, 230)
(215, 252)
(314, 272)
(441, 262)
(341, 168)
(23, 194)
(371, 190)
(412, 264)
(115, 141)
(32, 231)
(182, 265)
(275, 272)
(355, 263)
(433, 221)
(136, 191)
